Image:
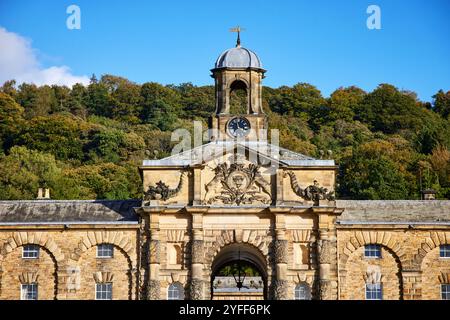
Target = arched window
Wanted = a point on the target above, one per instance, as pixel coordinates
(175, 292)
(302, 292)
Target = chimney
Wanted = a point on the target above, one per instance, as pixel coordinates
(428, 194)
(43, 193)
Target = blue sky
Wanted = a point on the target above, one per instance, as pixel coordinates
(325, 43)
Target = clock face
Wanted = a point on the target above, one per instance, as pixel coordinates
(239, 127)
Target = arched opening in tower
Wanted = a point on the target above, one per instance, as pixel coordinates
(238, 97)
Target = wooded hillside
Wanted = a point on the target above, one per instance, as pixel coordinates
(87, 142)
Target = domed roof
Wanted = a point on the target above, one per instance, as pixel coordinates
(238, 57)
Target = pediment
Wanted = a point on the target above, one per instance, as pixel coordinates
(240, 154)
(257, 151)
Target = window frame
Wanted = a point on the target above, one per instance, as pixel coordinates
(380, 288)
(372, 247)
(444, 248)
(35, 292)
(306, 291)
(446, 292)
(180, 291)
(109, 285)
(25, 249)
(102, 250)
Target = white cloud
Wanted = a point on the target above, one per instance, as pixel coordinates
(18, 61)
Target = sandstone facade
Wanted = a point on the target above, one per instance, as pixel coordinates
(67, 266)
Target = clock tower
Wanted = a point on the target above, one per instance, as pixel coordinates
(238, 69)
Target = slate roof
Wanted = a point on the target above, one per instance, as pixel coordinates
(121, 211)
(394, 211)
(68, 211)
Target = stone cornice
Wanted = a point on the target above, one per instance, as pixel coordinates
(161, 209)
(328, 210)
(291, 166)
(393, 225)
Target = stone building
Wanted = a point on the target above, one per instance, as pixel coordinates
(236, 199)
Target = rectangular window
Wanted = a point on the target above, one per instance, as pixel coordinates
(105, 251)
(374, 291)
(302, 292)
(445, 291)
(372, 251)
(29, 291)
(444, 251)
(103, 291)
(30, 251)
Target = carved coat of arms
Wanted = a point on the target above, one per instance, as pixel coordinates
(237, 184)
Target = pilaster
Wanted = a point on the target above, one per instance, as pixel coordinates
(197, 281)
(280, 284)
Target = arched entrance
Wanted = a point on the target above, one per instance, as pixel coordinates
(239, 272)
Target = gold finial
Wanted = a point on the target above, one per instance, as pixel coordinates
(238, 29)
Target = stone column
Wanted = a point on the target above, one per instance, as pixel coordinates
(154, 285)
(280, 284)
(197, 284)
(327, 257)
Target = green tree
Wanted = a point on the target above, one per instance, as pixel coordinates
(28, 96)
(442, 103)
(11, 119)
(9, 87)
(352, 133)
(105, 145)
(300, 100)
(76, 101)
(233, 268)
(161, 105)
(98, 100)
(197, 102)
(60, 135)
(108, 144)
(125, 98)
(343, 102)
(61, 99)
(107, 180)
(440, 164)
(23, 171)
(372, 179)
(373, 172)
(389, 110)
(435, 131)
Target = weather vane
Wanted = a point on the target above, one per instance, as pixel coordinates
(238, 29)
